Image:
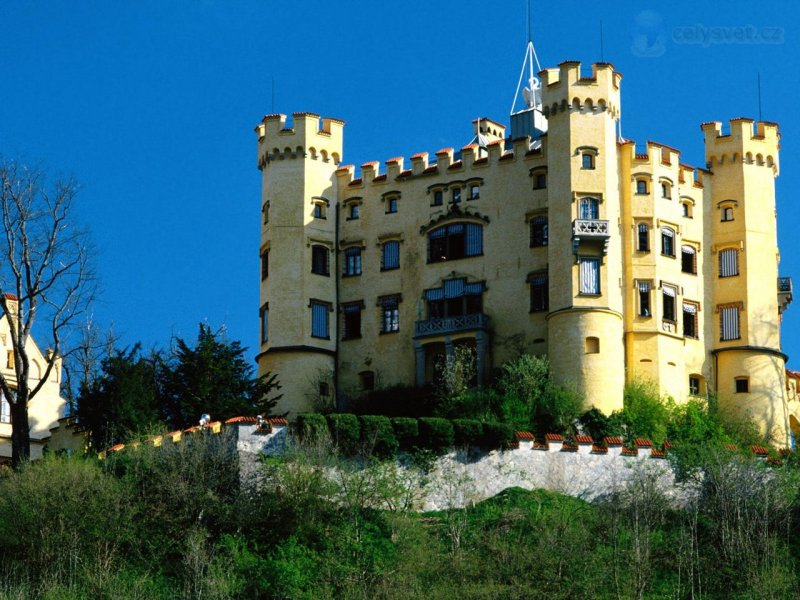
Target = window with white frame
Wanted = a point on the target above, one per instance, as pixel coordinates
(589, 270)
(390, 314)
(351, 264)
(728, 262)
(590, 208)
(689, 260)
(668, 242)
(729, 323)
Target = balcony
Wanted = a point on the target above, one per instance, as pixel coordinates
(784, 293)
(451, 325)
(589, 231)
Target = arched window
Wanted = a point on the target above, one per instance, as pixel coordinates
(727, 214)
(590, 208)
(457, 240)
(641, 186)
(668, 242)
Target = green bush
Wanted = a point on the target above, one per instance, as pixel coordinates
(599, 426)
(378, 436)
(436, 433)
(645, 413)
(345, 432)
(496, 435)
(311, 427)
(467, 432)
(406, 430)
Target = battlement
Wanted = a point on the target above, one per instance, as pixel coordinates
(742, 144)
(564, 90)
(308, 136)
(658, 154)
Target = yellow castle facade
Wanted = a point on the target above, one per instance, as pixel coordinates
(552, 236)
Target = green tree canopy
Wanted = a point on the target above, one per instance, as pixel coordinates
(214, 377)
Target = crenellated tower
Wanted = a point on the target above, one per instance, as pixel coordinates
(298, 293)
(749, 367)
(585, 322)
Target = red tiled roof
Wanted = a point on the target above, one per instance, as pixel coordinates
(613, 441)
(431, 169)
(584, 439)
(599, 449)
(654, 453)
(242, 420)
(642, 443)
(11, 296)
(523, 435)
(345, 168)
(539, 446)
(554, 437)
(760, 450)
(731, 447)
(481, 161)
(667, 445)
(629, 452)
(277, 421)
(356, 181)
(395, 159)
(381, 177)
(456, 165)
(444, 151)
(567, 447)
(372, 163)
(507, 156)
(418, 155)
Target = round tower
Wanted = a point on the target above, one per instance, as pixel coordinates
(298, 297)
(585, 323)
(748, 295)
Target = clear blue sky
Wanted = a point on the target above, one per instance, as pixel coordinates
(151, 105)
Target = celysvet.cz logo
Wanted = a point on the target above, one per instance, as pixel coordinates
(708, 35)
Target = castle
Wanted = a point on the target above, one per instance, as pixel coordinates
(554, 236)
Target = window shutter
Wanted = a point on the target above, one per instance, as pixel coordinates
(474, 239)
(319, 320)
(729, 323)
(728, 262)
(590, 275)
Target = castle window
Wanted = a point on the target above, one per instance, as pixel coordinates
(686, 209)
(540, 179)
(644, 299)
(668, 303)
(5, 409)
(540, 300)
(668, 242)
(590, 208)
(265, 212)
(390, 314)
(320, 261)
(727, 214)
(690, 320)
(438, 198)
(666, 191)
(729, 323)
(694, 385)
(688, 260)
(319, 210)
(456, 195)
(320, 323)
(455, 298)
(264, 318)
(391, 205)
(729, 262)
(643, 244)
(592, 345)
(355, 212)
(264, 265)
(367, 380)
(587, 160)
(474, 192)
(352, 262)
(538, 232)
(390, 255)
(742, 385)
(641, 186)
(351, 313)
(589, 276)
(457, 240)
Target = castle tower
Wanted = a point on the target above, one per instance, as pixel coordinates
(298, 256)
(585, 322)
(749, 368)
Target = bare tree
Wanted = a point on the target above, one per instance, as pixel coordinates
(45, 277)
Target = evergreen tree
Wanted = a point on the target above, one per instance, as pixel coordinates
(214, 377)
(124, 399)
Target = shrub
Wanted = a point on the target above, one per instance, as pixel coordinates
(467, 432)
(345, 432)
(596, 424)
(378, 436)
(496, 435)
(436, 433)
(644, 412)
(406, 430)
(559, 409)
(311, 427)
